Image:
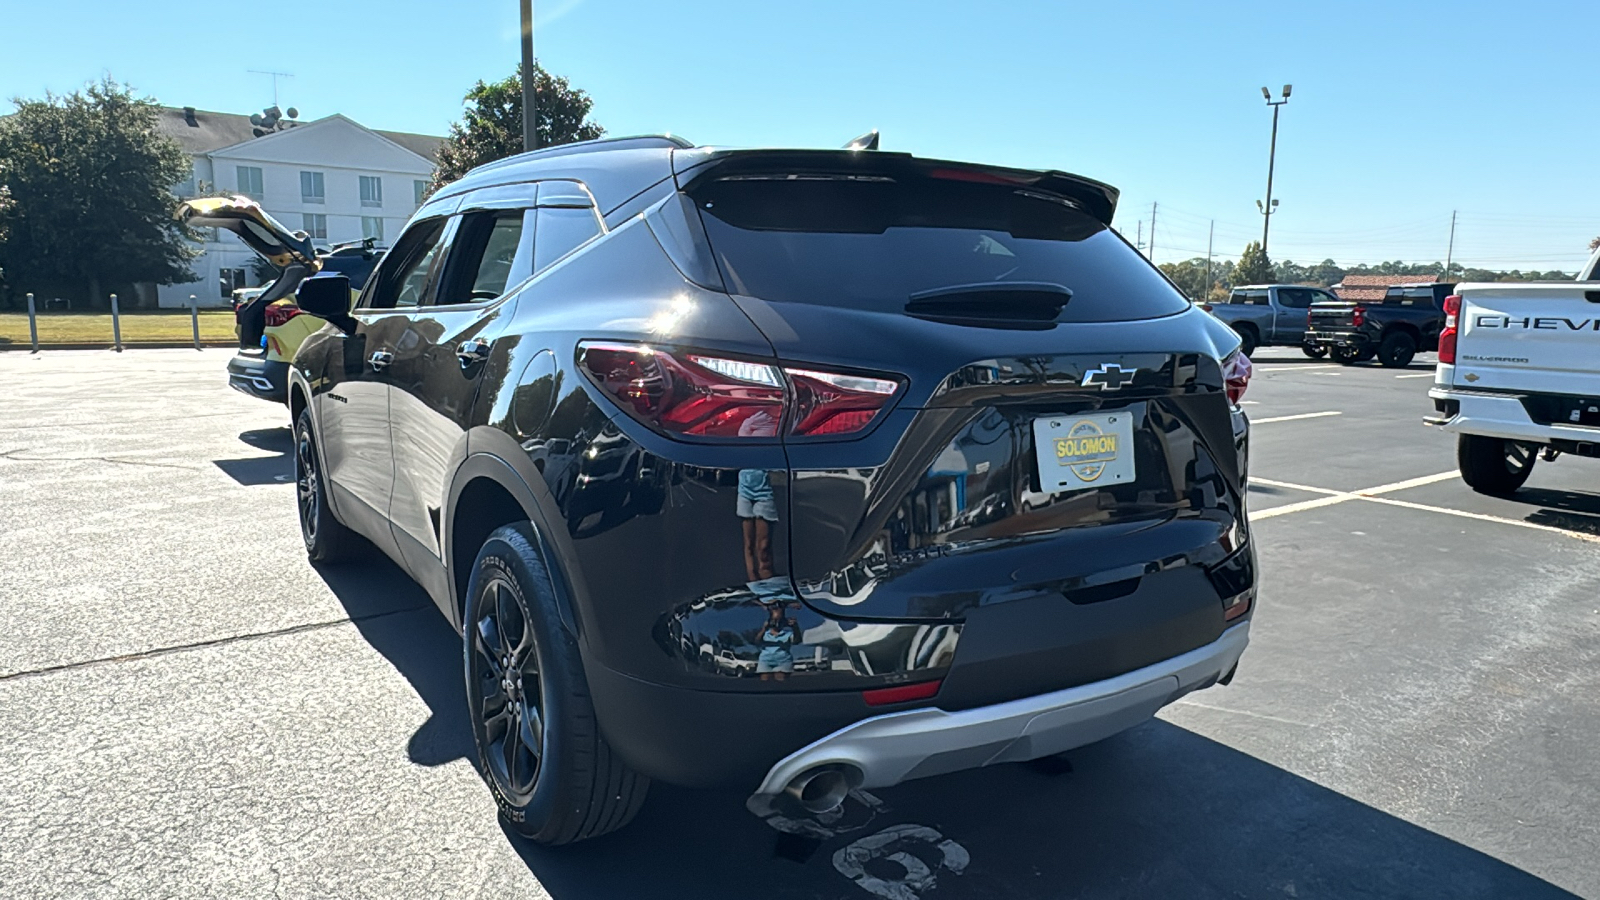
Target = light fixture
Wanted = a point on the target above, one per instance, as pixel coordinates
(1286, 89)
(1267, 94)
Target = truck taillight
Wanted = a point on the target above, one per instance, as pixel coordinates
(1236, 371)
(1358, 316)
(1447, 337)
(710, 396)
(280, 314)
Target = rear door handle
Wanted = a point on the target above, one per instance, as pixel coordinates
(472, 351)
(380, 360)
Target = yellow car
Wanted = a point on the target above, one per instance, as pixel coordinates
(270, 325)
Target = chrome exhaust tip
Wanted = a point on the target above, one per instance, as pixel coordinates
(821, 789)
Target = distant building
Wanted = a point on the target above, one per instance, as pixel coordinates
(333, 178)
(1372, 288)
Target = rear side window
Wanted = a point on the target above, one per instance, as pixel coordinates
(874, 242)
(561, 230)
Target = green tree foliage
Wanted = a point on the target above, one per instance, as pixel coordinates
(1254, 267)
(491, 127)
(90, 194)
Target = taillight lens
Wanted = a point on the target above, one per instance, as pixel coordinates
(1206, 307)
(710, 396)
(1358, 316)
(280, 314)
(1447, 337)
(1236, 371)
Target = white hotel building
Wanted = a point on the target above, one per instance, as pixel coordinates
(332, 177)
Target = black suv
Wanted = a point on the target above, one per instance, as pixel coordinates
(984, 465)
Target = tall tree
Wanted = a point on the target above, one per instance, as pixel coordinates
(491, 127)
(90, 193)
(1254, 267)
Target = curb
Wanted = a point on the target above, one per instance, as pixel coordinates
(25, 347)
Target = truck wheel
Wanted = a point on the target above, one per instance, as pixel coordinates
(1397, 350)
(1364, 354)
(1248, 341)
(1313, 351)
(1494, 466)
(1344, 355)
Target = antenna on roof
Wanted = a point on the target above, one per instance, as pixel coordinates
(868, 141)
(275, 77)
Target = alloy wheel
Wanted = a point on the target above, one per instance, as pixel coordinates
(1520, 457)
(507, 700)
(306, 486)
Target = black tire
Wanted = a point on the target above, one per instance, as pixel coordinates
(1248, 341)
(1345, 356)
(1494, 466)
(1313, 351)
(577, 788)
(326, 538)
(1364, 354)
(1397, 350)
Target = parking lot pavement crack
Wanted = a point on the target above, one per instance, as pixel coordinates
(12, 455)
(203, 645)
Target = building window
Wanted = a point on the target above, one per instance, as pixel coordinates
(250, 181)
(419, 189)
(311, 189)
(371, 190)
(230, 279)
(316, 225)
(372, 227)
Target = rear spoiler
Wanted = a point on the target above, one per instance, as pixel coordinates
(693, 165)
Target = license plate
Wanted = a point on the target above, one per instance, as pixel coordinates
(1084, 451)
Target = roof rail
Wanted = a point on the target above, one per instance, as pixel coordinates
(628, 142)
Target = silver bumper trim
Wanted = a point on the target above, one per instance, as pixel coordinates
(901, 746)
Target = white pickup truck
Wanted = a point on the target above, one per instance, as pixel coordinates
(1519, 376)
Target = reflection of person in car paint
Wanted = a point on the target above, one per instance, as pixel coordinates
(777, 641)
(757, 508)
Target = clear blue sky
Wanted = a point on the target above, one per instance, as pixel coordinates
(1402, 110)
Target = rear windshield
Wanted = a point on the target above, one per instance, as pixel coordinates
(870, 242)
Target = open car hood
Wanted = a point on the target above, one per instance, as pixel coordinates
(260, 232)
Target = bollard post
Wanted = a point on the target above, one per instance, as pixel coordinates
(33, 324)
(194, 319)
(116, 324)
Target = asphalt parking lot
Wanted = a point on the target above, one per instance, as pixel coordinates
(188, 708)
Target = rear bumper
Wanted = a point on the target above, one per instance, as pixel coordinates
(263, 378)
(901, 746)
(1501, 416)
(1353, 339)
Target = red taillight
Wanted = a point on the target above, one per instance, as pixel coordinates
(1206, 307)
(901, 693)
(709, 396)
(1358, 316)
(1447, 337)
(1236, 371)
(1238, 607)
(280, 314)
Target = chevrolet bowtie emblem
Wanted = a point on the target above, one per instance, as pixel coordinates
(1109, 376)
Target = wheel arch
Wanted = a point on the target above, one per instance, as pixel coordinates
(497, 494)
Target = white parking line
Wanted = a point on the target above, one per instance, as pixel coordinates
(1315, 415)
(1417, 375)
(1371, 495)
(1296, 368)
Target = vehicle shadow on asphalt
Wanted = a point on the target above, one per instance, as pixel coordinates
(1567, 510)
(399, 620)
(255, 470)
(1159, 811)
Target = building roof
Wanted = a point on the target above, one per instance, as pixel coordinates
(1374, 287)
(202, 131)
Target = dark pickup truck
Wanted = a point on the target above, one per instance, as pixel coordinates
(1408, 319)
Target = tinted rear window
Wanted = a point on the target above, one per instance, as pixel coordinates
(871, 242)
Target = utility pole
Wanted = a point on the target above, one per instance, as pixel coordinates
(1271, 206)
(1450, 252)
(1210, 235)
(530, 106)
(1138, 240)
(1152, 231)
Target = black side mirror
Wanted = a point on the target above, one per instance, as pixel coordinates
(324, 296)
(327, 297)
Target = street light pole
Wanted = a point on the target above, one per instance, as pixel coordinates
(1270, 207)
(530, 107)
